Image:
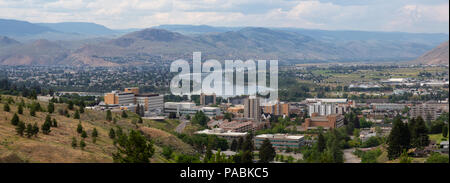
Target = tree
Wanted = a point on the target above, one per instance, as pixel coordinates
(108, 115)
(321, 144)
(70, 105)
(167, 152)
(51, 107)
(81, 109)
(35, 129)
(227, 116)
(20, 109)
(112, 133)
(419, 132)
(15, 120)
(247, 157)
(32, 111)
(266, 152)
(234, 145)
(200, 118)
(124, 114)
(138, 109)
(76, 115)
(6, 107)
(83, 134)
(445, 131)
(20, 128)
(46, 127)
(79, 128)
(398, 139)
(239, 144)
(133, 148)
(82, 144)
(74, 142)
(94, 133)
(29, 131)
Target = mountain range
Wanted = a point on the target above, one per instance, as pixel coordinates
(24, 43)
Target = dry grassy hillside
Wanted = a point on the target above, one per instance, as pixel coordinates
(56, 147)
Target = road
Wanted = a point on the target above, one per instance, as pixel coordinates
(181, 126)
(349, 157)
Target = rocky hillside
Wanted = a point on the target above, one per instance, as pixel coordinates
(438, 55)
(56, 146)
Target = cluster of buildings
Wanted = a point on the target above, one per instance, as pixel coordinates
(130, 98)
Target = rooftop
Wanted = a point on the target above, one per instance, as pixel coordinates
(280, 136)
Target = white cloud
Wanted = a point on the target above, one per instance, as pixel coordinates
(381, 15)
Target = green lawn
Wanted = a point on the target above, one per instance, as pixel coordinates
(437, 137)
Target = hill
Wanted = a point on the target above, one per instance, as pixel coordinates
(39, 52)
(6, 41)
(56, 147)
(438, 55)
(21, 28)
(79, 28)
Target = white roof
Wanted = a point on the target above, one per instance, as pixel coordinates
(280, 136)
(327, 100)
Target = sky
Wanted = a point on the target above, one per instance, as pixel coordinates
(425, 16)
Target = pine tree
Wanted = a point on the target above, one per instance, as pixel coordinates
(20, 128)
(46, 127)
(239, 144)
(74, 142)
(6, 107)
(399, 138)
(32, 111)
(35, 129)
(124, 114)
(112, 133)
(138, 110)
(76, 115)
(79, 128)
(20, 109)
(82, 144)
(81, 109)
(419, 133)
(51, 107)
(445, 130)
(15, 120)
(108, 115)
(29, 131)
(321, 144)
(234, 145)
(83, 134)
(266, 152)
(142, 111)
(94, 133)
(70, 105)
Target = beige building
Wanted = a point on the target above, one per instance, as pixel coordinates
(278, 109)
(429, 111)
(252, 108)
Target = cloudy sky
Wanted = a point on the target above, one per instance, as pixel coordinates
(376, 15)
